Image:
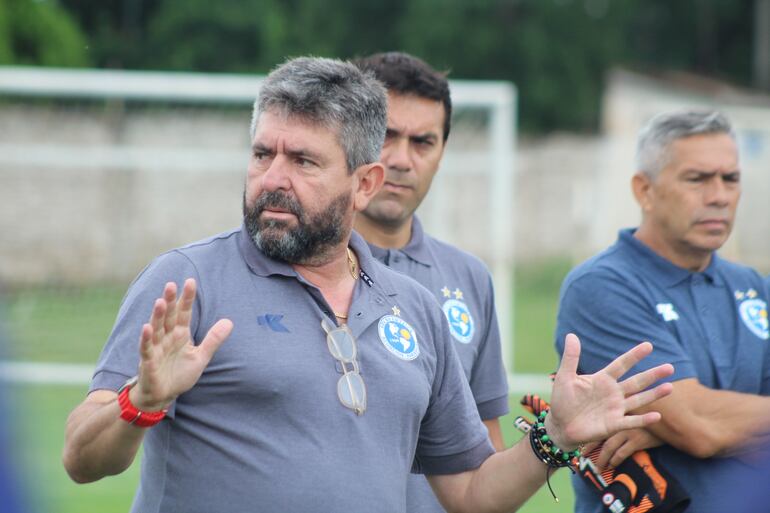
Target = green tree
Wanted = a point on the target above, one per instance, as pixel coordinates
(557, 52)
(255, 35)
(39, 33)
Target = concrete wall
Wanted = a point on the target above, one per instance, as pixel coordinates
(92, 191)
(87, 195)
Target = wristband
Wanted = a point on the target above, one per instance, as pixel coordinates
(545, 449)
(131, 413)
(547, 452)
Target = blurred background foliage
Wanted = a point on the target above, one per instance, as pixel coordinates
(556, 51)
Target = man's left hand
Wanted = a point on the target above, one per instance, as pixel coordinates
(591, 407)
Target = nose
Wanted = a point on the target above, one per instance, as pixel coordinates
(396, 155)
(277, 175)
(718, 193)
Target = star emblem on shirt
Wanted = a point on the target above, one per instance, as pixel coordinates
(751, 293)
(396, 310)
(446, 292)
(458, 294)
(738, 295)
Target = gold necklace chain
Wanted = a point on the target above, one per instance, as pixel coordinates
(353, 267)
(353, 264)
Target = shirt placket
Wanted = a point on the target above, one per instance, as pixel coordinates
(709, 318)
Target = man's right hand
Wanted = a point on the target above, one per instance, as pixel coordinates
(622, 445)
(170, 364)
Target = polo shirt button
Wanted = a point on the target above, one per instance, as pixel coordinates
(380, 301)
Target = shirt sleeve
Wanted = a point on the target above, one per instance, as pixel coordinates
(119, 359)
(609, 315)
(488, 380)
(452, 438)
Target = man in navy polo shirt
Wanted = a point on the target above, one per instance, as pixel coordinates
(664, 282)
(419, 117)
(294, 372)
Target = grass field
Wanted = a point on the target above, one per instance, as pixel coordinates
(70, 326)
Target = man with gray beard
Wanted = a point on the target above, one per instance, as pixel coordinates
(338, 376)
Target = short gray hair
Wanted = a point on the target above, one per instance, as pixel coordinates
(333, 94)
(655, 138)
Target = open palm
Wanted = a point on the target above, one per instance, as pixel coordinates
(591, 407)
(170, 363)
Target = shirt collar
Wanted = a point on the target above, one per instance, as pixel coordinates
(667, 272)
(258, 262)
(262, 265)
(370, 265)
(416, 249)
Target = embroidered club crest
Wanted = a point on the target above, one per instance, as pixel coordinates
(461, 323)
(398, 337)
(754, 315)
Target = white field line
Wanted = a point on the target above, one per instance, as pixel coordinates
(42, 373)
(529, 384)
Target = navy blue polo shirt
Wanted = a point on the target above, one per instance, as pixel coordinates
(263, 428)
(710, 325)
(462, 285)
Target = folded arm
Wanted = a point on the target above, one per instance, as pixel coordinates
(712, 423)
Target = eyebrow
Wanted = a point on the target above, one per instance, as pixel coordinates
(261, 148)
(426, 136)
(293, 153)
(711, 172)
(304, 153)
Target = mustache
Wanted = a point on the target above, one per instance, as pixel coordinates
(277, 199)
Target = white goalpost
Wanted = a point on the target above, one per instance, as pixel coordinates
(116, 151)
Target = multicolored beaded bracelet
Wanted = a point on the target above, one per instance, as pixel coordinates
(547, 452)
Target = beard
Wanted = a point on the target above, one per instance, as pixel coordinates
(305, 243)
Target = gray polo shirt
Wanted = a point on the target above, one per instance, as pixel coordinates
(463, 286)
(263, 429)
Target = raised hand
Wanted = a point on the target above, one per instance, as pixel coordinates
(592, 407)
(170, 363)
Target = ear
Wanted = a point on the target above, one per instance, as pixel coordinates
(641, 185)
(370, 180)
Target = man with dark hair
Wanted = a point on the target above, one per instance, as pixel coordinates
(664, 282)
(419, 119)
(296, 373)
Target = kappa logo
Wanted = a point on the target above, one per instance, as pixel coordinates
(398, 337)
(754, 315)
(666, 310)
(272, 321)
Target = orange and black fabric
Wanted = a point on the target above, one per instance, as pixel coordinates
(638, 485)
